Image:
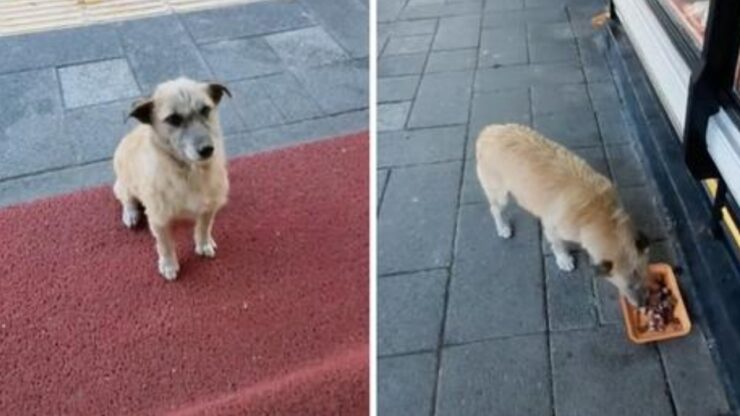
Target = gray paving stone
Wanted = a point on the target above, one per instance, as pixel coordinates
(497, 287)
(560, 98)
(97, 82)
(55, 183)
(246, 20)
(582, 27)
(597, 72)
(503, 5)
(503, 46)
(392, 116)
(403, 45)
(573, 129)
(415, 3)
(231, 121)
(581, 8)
(508, 106)
(395, 65)
(626, 166)
(552, 32)
(382, 43)
(571, 302)
(384, 31)
(692, 376)
(552, 51)
(30, 136)
(241, 58)
(604, 97)
(613, 128)
(593, 59)
(254, 105)
(491, 378)
(471, 189)
(454, 60)
(58, 48)
(508, 77)
(346, 21)
(406, 385)
(418, 216)
(381, 182)
(642, 205)
(523, 17)
(97, 130)
(602, 372)
(592, 49)
(442, 99)
(339, 87)
(457, 32)
(401, 88)
(289, 96)
(595, 158)
(410, 311)
(390, 10)
(551, 42)
(543, 3)
(608, 303)
(306, 47)
(283, 135)
(421, 146)
(415, 27)
(159, 49)
(441, 10)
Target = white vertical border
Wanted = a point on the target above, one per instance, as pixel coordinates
(723, 143)
(373, 63)
(668, 72)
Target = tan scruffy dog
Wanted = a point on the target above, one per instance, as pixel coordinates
(173, 166)
(574, 203)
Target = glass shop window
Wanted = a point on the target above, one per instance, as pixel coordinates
(691, 16)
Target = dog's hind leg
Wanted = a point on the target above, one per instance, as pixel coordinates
(204, 244)
(563, 259)
(131, 212)
(497, 198)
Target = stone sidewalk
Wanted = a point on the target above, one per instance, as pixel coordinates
(470, 324)
(297, 70)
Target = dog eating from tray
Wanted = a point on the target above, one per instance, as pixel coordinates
(575, 204)
(172, 166)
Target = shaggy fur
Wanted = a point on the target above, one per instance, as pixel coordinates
(574, 203)
(173, 166)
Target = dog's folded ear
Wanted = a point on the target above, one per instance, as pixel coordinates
(642, 242)
(217, 91)
(604, 268)
(142, 110)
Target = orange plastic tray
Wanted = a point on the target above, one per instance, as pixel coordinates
(634, 320)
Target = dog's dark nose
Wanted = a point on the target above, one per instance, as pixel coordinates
(205, 152)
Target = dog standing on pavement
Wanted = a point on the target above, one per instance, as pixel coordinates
(173, 166)
(573, 202)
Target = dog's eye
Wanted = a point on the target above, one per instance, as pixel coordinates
(174, 120)
(205, 111)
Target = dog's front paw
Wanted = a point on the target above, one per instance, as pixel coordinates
(168, 268)
(565, 262)
(131, 217)
(207, 249)
(504, 231)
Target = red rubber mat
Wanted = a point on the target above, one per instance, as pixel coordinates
(276, 324)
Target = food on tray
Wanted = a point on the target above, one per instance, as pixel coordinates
(659, 311)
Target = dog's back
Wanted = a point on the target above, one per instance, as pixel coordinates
(542, 175)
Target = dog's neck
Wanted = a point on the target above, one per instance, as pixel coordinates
(603, 234)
